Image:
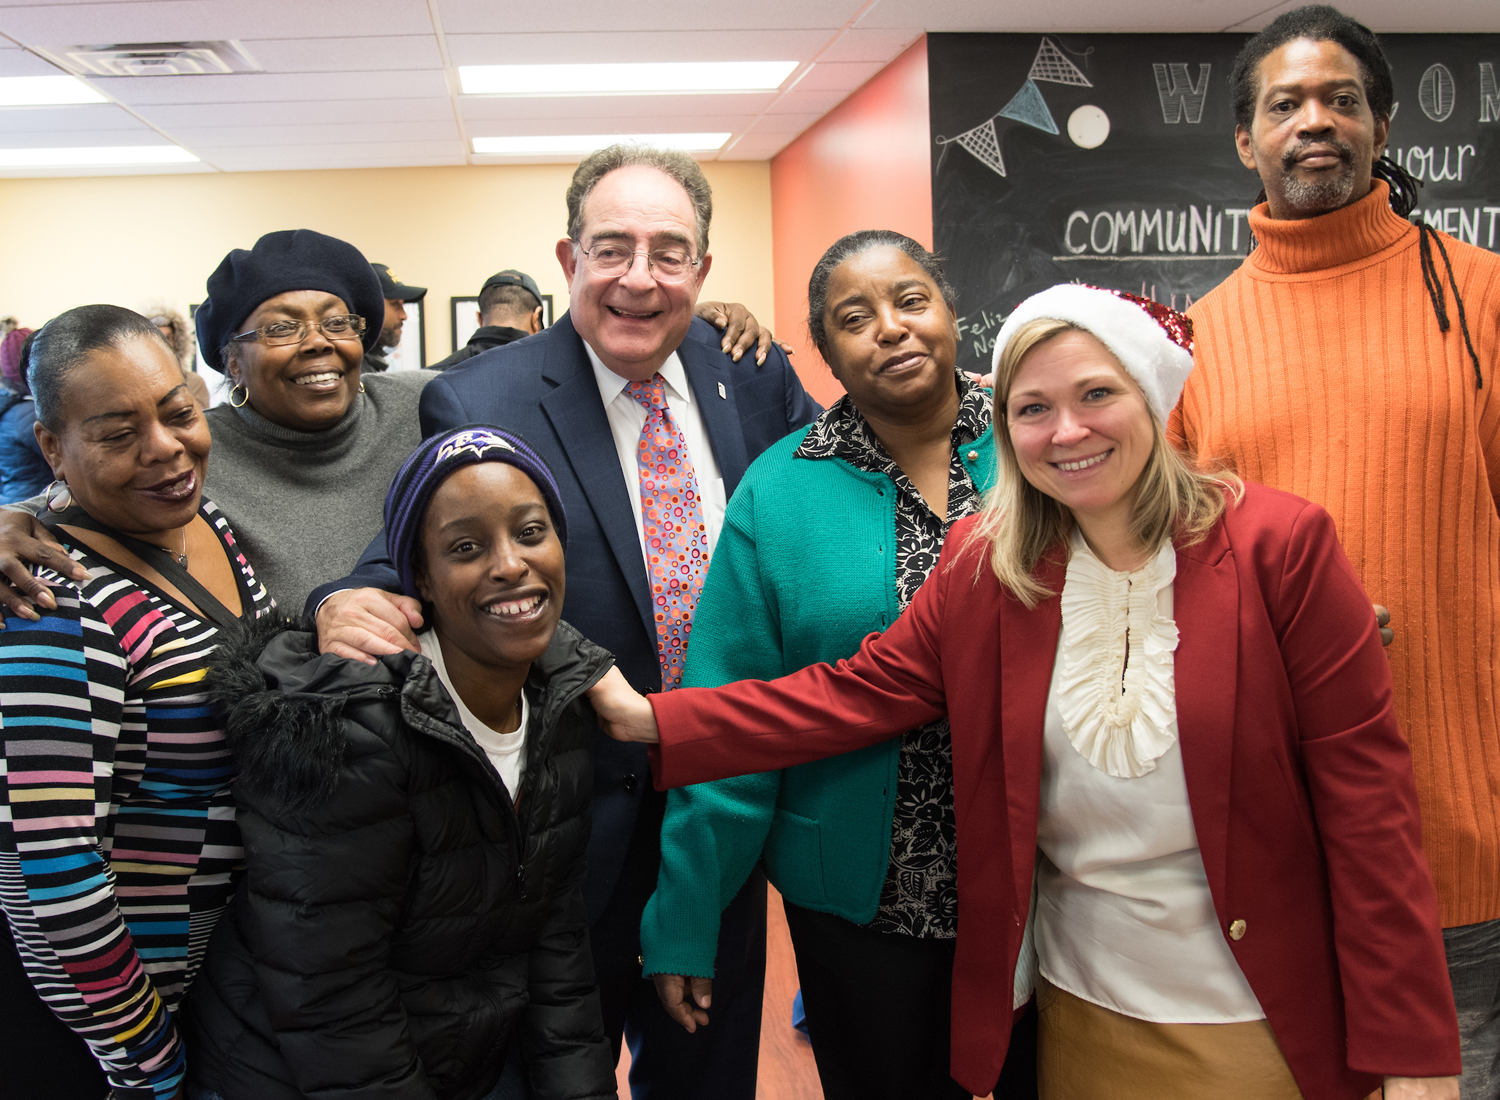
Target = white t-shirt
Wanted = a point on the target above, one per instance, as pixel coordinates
(627, 417)
(507, 751)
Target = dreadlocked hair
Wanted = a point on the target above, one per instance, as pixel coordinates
(1323, 23)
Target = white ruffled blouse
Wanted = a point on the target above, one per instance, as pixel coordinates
(1123, 914)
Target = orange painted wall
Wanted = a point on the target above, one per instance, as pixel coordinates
(865, 165)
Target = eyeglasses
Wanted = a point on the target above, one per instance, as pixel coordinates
(611, 259)
(343, 327)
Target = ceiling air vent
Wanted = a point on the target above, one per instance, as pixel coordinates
(160, 59)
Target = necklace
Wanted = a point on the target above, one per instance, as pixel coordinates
(182, 557)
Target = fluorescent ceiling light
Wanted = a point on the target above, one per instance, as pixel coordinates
(657, 78)
(45, 91)
(103, 156)
(583, 144)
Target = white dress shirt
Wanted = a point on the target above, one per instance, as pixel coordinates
(1123, 913)
(627, 417)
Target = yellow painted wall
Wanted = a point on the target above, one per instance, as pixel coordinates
(134, 239)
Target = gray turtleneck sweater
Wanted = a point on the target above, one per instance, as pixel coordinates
(304, 505)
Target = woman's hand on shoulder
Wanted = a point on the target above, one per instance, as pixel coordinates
(624, 713)
(26, 542)
(1421, 1088)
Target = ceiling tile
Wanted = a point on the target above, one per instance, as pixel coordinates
(202, 115)
(868, 45)
(85, 116)
(619, 124)
(783, 124)
(487, 17)
(272, 87)
(586, 46)
(64, 24)
(303, 158)
(325, 133)
(798, 102)
(339, 55)
(658, 109)
(17, 62)
(74, 139)
(757, 147)
(835, 76)
(144, 170)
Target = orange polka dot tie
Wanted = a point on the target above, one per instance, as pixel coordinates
(672, 516)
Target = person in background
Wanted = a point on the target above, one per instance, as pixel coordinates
(305, 443)
(638, 416)
(412, 907)
(23, 468)
(179, 336)
(397, 295)
(1386, 335)
(510, 309)
(1171, 718)
(860, 846)
(118, 846)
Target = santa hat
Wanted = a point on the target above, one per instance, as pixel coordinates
(1153, 343)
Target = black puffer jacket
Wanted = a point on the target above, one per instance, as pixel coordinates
(389, 937)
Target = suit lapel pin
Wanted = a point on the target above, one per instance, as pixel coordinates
(722, 395)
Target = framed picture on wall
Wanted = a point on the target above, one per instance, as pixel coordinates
(464, 313)
(411, 353)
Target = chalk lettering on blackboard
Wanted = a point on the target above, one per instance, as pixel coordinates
(982, 142)
(1180, 97)
(1423, 163)
(1029, 107)
(1050, 64)
(1489, 93)
(1438, 93)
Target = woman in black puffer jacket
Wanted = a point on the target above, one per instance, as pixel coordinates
(415, 829)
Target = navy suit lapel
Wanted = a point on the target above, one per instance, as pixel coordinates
(708, 374)
(577, 416)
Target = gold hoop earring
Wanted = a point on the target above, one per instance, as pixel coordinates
(245, 396)
(59, 496)
(361, 385)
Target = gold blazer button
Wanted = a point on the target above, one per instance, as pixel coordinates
(1237, 930)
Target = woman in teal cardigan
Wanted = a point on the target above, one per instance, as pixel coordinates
(829, 535)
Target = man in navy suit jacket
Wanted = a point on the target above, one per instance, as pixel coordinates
(553, 388)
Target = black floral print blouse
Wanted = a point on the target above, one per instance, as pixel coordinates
(920, 893)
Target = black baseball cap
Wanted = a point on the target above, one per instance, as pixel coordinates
(392, 287)
(512, 277)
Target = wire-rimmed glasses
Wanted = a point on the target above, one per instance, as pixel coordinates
(345, 326)
(611, 259)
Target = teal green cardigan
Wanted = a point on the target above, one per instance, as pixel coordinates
(804, 569)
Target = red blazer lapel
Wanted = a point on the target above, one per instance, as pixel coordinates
(1205, 605)
(1028, 649)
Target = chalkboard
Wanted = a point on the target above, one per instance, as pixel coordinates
(1109, 159)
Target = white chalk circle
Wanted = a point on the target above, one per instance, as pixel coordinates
(1088, 127)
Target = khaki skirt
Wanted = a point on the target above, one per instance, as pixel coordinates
(1086, 1052)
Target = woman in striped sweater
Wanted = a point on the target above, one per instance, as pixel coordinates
(117, 836)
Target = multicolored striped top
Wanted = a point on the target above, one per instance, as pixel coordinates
(118, 844)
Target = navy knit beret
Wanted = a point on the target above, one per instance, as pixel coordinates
(289, 259)
(431, 463)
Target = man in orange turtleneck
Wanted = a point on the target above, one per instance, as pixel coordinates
(1329, 367)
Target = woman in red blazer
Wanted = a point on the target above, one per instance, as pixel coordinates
(1180, 787)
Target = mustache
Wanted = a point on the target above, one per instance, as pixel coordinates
(1344, 150)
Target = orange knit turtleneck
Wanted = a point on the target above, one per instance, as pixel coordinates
(1321, 370)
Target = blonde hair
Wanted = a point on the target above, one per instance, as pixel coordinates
(1023, 524)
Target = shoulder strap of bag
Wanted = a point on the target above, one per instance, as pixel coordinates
(160, 559)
